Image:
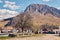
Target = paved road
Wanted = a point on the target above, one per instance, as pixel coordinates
(46, 37)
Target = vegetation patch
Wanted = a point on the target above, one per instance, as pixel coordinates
(4, 37)
(21, 36)
(34, 35)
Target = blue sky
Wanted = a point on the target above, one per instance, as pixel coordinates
(10, 8)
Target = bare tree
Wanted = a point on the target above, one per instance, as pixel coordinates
(23, 20)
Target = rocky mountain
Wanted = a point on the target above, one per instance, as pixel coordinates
(43, 9)
(41, 14)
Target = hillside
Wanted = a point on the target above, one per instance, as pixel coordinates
(43, 14)
(3, 23)
(40, 14)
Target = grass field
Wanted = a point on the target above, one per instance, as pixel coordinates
(21, 36)
(34, 37)
(4, 37)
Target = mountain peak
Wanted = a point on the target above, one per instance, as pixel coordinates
(43, 9)
(35, 7)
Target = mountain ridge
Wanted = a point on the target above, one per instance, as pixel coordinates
(48, 15)
(43, 9)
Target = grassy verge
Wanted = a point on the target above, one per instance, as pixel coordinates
(4, 37)
(21, 36)
(34, 35)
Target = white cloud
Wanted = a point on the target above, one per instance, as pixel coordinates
(46, 0)
(8, 2)
(58, 8)
(4, 13)
(11, 5)
(1, 1)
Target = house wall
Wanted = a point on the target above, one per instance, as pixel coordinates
(7, 29)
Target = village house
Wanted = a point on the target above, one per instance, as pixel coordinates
(45, 30)
(56, 31)
(25, 30)
(11, 29)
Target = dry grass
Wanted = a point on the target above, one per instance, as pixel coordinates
(45, 19)
(3, 23)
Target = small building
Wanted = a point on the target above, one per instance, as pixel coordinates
(7, 29)
(56, 31)
(25, 30)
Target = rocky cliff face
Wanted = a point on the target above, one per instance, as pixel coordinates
(43, 9)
